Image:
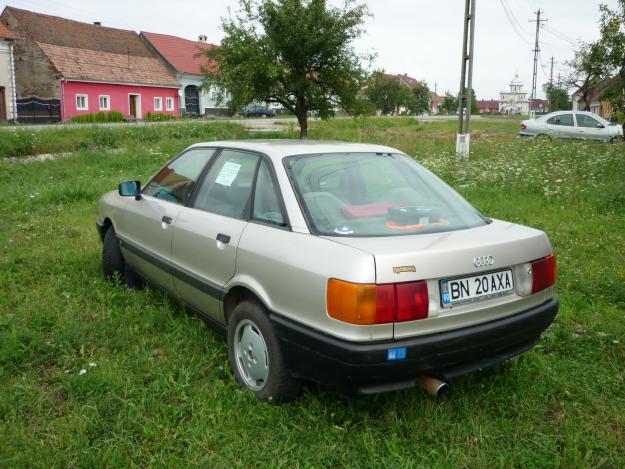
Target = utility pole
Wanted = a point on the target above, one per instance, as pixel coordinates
(538, 21)
(463, 137)
(550, 86)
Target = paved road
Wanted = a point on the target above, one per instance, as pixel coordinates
(253, 124)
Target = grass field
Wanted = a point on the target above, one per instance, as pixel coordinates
(94, 375)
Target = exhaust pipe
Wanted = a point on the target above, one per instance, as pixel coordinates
(434, 387)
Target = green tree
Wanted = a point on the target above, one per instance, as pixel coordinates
(450, 104)
(612, 44)
(418, 99)
(298, 53)
(386, 93)
(558, 98)
(586, 69)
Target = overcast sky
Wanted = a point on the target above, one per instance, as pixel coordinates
(422, 38)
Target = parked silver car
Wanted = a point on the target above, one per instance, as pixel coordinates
(572, 124)
(341, 263)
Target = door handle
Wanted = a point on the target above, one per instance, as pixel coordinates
(222, 238)
(166, 220)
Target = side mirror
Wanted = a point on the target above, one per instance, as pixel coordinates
(130, 189)
(600, 126)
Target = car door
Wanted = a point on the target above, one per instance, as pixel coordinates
(590, 128)
(207, 233)
(145, 227)
(563, 126)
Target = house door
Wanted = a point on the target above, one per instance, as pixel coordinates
(192, 100)
(133, 105)
(3, 108)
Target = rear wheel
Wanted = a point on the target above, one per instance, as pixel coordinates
(543, 137)
(255, 356)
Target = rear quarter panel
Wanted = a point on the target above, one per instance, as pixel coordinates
(289, 271)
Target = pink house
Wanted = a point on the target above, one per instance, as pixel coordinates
(88, 68)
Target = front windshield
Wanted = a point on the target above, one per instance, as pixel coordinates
(375, 194)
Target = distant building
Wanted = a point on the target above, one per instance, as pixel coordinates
(598, 106)
(69, 68)
(490, 106)
(8, 106)
(514, 100)
(186, 59)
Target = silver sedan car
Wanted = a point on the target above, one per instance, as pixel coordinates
(341, 263)
(572, 124)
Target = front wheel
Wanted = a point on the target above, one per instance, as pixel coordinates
(255, 356)
(114, 264)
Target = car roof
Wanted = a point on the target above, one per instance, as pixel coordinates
(278, 149)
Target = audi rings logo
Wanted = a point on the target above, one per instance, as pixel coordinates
(483, 261)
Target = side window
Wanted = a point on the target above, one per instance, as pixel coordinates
(566, 120)
(175, 181)
(227, 187)
(562, 119)
(266, 201)
(553, 120)
(586, 121)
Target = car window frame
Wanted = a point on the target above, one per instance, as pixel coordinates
(250, 208)
(201, 175)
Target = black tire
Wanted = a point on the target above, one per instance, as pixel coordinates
(113, 264)
(278, 386)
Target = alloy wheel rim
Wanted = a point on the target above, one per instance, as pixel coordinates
(251, 355)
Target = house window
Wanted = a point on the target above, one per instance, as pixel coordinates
(105, 103)
(169, 104)
(82, 102)
(158, 104)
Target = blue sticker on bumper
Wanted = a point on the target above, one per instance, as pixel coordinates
(396, 353)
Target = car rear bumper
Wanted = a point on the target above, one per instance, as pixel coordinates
(365, 368)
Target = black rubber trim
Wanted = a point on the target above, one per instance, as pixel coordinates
(364, 368)
(202, 285)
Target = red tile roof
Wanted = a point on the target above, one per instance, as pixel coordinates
(85, 64)
(69, 33)
(182, 54)
(5, 33)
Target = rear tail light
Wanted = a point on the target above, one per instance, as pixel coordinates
(523, 126)
(544, 273)
(412, 301)
(360, 303)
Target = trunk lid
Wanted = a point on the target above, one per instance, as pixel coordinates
(437, 256)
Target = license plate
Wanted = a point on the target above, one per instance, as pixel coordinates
(476, 288)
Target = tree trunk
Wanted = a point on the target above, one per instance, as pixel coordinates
(302, 116)
(302, 119)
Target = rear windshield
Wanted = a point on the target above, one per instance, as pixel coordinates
(375, 194)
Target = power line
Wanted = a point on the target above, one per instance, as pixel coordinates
(516, 26)
(559, 35)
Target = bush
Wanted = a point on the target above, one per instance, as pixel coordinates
(113, 116)
(18, 143)
(159, 116)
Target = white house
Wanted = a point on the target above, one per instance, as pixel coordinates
(514, 101)
(8, 103)
(186, 59)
